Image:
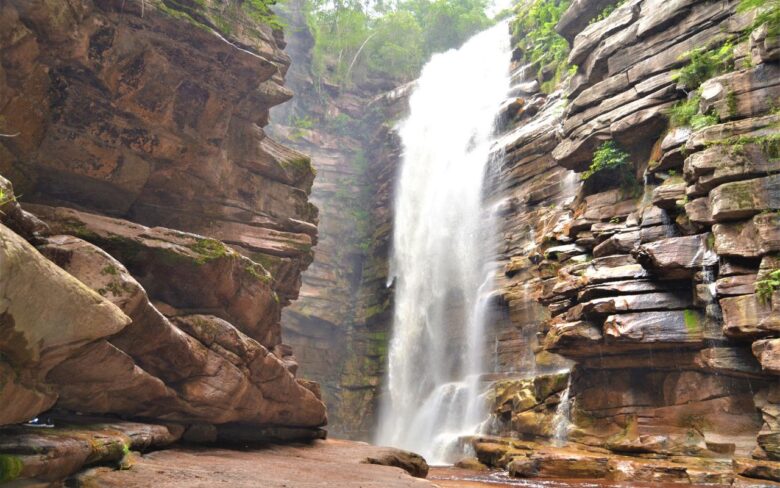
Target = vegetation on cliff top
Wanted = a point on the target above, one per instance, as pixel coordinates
(537, 42)
(354, 40)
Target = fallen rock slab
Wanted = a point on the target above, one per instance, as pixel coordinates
(57, 451)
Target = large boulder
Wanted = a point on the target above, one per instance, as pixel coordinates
(46, 317)
(172, 266)
(198, 368)
(662, 328)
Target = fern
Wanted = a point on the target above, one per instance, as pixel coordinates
(767, 286)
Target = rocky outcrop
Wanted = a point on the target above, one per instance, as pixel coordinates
(657, 290)
(157, 116)
(339, 327)
(159, 236)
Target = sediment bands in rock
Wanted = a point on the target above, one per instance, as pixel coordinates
(161, 235)
(340, 325)
(656, 293)
(157, 117)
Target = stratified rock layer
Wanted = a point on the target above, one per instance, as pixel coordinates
(170, 232)
(657, 295)
(339, 327)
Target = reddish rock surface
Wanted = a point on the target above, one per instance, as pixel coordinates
(324, 463)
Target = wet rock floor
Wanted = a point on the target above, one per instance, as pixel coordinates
(449, 477)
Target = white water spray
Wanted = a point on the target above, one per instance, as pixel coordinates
(440, 250)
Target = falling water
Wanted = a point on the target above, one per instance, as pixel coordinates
(562, 420)
(440, 249)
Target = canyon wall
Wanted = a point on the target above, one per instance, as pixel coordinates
(656, 288)
(340, 326)
(159, 235)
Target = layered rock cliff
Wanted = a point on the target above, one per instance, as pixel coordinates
(159, 235)
(340, 326)
(653, 285)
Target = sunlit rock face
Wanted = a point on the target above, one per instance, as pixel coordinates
(649, 293)
(175, 230)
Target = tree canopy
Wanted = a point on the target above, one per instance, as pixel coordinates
(354, 39)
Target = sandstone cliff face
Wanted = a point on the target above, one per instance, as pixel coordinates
(649, 292)
(339, 326)
(175, 229)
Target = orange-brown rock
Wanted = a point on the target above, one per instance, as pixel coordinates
(198, 368)
(323, 463)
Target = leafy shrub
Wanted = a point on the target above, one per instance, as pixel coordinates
(686, 113)
(534, 35)
(769, 13)
(607, 157)
(397, 45)
(765, 287)
(770, 145)
(704, 64)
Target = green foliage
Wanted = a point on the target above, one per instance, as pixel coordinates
(607, 157)
(607, 10)
(209, 249)
(353, 41)
(770, 145)
(397, 46)
(10, 467)
(767, 286)
(5, 198)
(305, 122)
(533, 33)
(731, 103)
(341, 124)
(447, 23)
(300, 126)
(704, 64)
(691, 320)
(769, 13)
(686, 113)
(260, 11)
(258, 272)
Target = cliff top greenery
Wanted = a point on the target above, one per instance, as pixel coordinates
(535, 38)
(355, 39)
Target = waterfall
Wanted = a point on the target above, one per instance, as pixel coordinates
(562, 419)
(442, 238)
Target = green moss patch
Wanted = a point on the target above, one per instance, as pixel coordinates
(692, 322)
(209, 249)
(10, 467)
